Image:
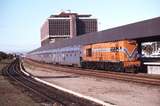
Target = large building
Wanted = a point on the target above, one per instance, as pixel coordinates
(66, 25)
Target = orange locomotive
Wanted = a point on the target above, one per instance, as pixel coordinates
(115, 56)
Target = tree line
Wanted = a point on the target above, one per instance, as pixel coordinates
(5, 56)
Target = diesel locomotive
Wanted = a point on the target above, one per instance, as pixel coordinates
(121, 56)
(115, 56)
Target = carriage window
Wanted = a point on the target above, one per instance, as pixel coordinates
(89, 52)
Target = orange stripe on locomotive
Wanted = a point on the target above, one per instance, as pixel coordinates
(119, 51)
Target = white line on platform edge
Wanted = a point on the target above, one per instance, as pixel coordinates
(70, 92)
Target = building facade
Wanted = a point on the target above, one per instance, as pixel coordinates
(66, 25)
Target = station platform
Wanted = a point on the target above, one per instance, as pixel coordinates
(120, 93)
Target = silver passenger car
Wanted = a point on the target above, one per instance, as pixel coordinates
(70, 55)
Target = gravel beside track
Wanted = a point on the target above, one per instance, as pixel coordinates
(12, 94)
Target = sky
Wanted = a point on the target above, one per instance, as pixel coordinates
(21, 20)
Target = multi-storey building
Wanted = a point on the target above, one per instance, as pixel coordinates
(66, 25)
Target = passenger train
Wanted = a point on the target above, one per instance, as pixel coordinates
(121, 56)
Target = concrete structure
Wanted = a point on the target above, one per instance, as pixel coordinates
(66, 25)
(153, 67)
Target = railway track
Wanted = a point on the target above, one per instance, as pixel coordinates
(13, 72)
(138, 78)
(48, 93)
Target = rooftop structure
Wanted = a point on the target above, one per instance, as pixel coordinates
(66, 25)
(63, 14)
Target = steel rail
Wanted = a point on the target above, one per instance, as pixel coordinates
(103, 74)
(24, 81)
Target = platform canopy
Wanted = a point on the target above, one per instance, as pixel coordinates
(139, 31)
